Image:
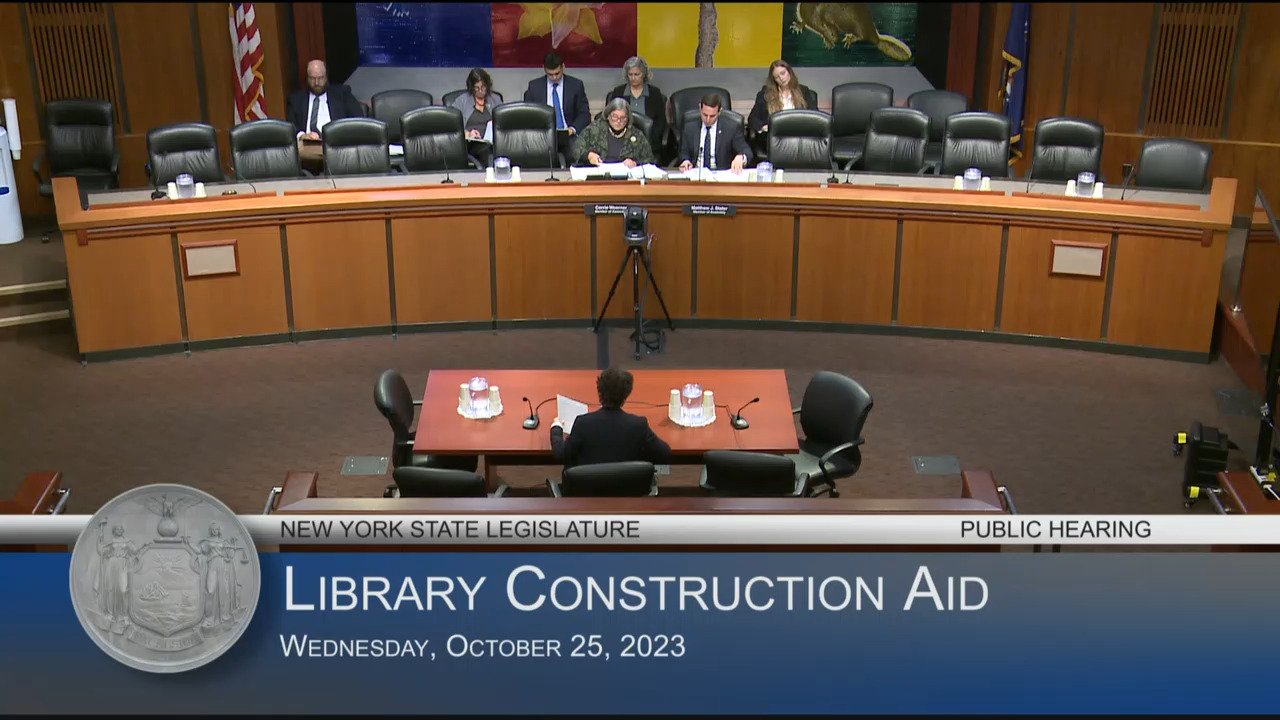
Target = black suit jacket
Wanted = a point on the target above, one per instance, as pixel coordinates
(609, 435)
(573, 97)
(655, 106)
(730, 141)
(759, 116)
(342, 104)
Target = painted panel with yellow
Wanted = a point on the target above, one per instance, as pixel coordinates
(749, 34)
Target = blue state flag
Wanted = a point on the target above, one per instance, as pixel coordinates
(1014, 90)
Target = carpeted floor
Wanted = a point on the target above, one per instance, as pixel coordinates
(1068, 431)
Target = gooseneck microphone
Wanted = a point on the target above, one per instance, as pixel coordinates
(739, 422)
(1029, 171)
(1128, 176)
(532, 422)
(551, 158)
(444, 156)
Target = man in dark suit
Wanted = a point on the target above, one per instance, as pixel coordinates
(609, 434)
(717, 143)
(566, 95)
(311, 108)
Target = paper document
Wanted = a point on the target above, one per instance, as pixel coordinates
(396, 150)
(568, 410)
(706, 175)
(647, 171)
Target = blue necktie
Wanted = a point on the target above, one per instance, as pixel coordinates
(555, 105)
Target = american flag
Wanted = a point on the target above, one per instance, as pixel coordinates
(246, 58)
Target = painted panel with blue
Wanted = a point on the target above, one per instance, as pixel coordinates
(425, 34)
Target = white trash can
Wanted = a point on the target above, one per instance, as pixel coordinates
(10, 215)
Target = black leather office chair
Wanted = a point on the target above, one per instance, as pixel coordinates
(832, 413)
(851, 106)
(264, 150)
(1173, 164)
(391, 395)
(895, 141)
(447, 99)
(391, 105)
(800, 140)
(526, 134)
(434, 139)
(975, 140)
(183, 148)
(750, 474)
(355, 146)
(686, 99)
(1064, 147)
(644, 124)
(420, 482)
(80, 142)
(620, 479)
(938, 105)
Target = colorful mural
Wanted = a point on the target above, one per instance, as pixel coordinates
(605, 34)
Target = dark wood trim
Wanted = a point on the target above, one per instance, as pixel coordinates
(308, 30)
(35, 495)
(1237, 345)
(962, 48)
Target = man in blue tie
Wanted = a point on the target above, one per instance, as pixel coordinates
(565, 94)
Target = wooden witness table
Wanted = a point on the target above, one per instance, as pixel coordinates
(504, 440)
(325, 257)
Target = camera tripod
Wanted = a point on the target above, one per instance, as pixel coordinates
(637, 255)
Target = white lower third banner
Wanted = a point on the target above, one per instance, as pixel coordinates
(710, 529)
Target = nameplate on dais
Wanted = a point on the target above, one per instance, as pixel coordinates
(707, 209)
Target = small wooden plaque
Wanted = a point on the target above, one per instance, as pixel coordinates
(211, 258)
(1078, 258)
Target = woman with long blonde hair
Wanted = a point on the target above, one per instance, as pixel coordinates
(782, 91)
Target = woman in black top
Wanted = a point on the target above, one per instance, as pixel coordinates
(782, 91)
(643, 97)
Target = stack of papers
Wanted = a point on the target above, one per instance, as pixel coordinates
(568, 410)
(714, 175)
(648, 171)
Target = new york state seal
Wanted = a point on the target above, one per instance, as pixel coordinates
(165, 578)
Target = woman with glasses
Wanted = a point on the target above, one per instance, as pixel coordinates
(613, 137)
(476, 105)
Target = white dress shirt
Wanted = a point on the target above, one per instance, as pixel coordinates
(787, 104)
(559, 91)
(322, 118)
(702, 140)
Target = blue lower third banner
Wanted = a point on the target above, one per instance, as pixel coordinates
(600, 633)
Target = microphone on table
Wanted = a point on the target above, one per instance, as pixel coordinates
(1029, 171)
(444, 156)
(1128, 176)
(531, 422)
(551, 162)
(736, 419)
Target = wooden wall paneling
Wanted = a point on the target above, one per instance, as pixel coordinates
(16, 82)
(992, 69)
(1047, 57)
(215, 50)
(1193, 58)
(441, 268)
(744, 265)
(1253, 165)
(308, 32)
(251, 302)
(157, 57)
(1036, 302)
(543, 264)
(1255, 94)
(949, 275)
(1164, 291)
(846, 269)
(671, 257)
(1108, 61)
(338, 274)
(962, 48)
(126, 292)
(1260, 287)
(1118, 149)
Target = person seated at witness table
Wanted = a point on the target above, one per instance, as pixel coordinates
(566, 95)
(609, 434)
(612, 138)
(782, 91)
(476, 106)
(313, 107)
(643, 97)
(717, 143)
